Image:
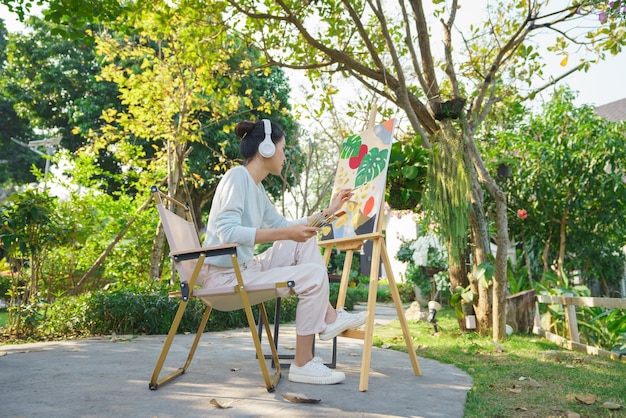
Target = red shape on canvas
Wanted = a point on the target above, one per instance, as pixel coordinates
(355, 162)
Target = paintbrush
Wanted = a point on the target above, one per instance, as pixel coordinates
(358, 187)
(318, 222)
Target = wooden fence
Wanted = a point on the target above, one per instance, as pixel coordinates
(569, 304)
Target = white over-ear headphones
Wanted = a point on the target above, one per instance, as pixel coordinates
(267, 147)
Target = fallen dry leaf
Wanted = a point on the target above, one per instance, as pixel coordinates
(515, 390)
(534, 383)
(235, 369)
(298, 399)
(218, 405)
(586, 399)
(571, 414)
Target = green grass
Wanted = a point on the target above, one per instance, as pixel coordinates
(532, 377)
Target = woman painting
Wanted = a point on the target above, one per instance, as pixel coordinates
(242, 213)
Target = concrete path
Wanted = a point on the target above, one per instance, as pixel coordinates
(105, 377)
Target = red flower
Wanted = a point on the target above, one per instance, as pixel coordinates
(522, 214)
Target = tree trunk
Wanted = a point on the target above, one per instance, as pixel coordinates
(545, 253)
(457, 269)
(482, 304)
(157, 252)
(458, 274)
(562, 234)
(480, 249)
(174, 175)
(500, 277)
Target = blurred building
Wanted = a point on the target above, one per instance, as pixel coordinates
(614, 111)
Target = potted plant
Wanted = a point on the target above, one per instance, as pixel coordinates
(427, 264)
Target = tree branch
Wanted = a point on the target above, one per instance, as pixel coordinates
(414, 103)
(447, 42)
(409, 43)
(364, 35)
(402, 91)
(554, 81)
(432, 88)
(510, 46)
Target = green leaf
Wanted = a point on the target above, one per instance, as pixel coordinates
(350, 147)
(485, 270)
(374, 163)
(468, 296)
(410, 172)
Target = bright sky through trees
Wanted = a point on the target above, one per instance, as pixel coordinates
(602, 84)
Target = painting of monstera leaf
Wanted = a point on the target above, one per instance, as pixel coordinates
(362, 166)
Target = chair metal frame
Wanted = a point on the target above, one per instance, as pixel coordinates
(240, 296)
(333, 362)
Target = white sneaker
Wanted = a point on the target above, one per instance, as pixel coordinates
(315, 372)
(343, 322)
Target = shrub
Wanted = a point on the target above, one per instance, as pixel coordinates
(127, 311)
(383, 293)
(5, 285)
(65, 318)
(407, 293)
(334, 295)
(354, 295)
(134, 309)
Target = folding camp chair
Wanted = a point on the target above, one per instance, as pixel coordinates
(189, 256)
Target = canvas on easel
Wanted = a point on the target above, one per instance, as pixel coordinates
(362, 167)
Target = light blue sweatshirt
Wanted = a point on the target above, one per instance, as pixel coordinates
(239, 208)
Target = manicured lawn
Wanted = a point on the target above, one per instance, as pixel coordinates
(531, 377)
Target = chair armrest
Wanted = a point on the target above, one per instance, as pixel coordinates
(194, 253)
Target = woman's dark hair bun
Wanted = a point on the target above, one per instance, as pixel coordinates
(244, 128)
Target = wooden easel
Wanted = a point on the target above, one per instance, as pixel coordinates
(379, 251)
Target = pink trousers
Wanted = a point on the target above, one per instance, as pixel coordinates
(284, 261)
